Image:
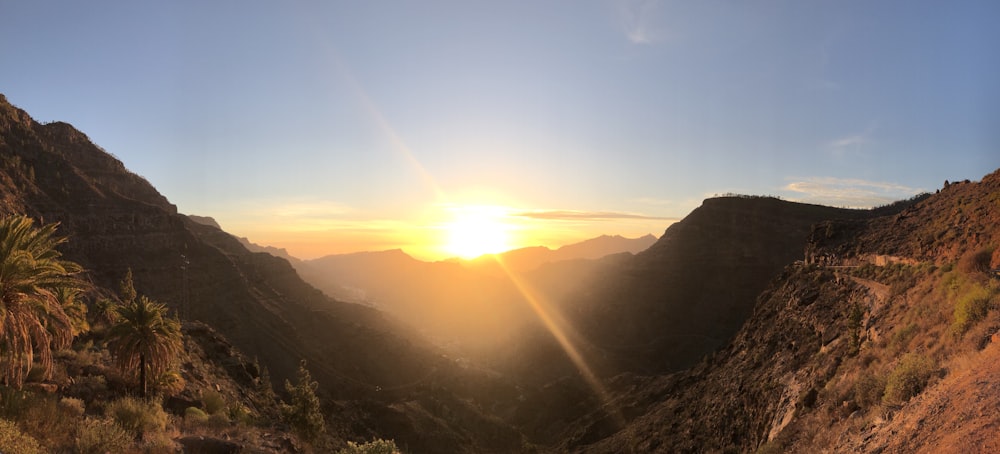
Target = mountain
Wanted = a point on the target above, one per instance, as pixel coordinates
(884, 341)
(472, 305)
(378, 377)
(689, 293)
(752, 325)
(530, 258)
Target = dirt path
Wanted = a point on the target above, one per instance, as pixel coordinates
(881, 291)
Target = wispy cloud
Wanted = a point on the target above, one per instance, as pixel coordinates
(636, 18)
(849, 141)
(852, 143)
(571, 215)
(847, 192)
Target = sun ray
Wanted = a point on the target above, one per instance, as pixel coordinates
(558, 327)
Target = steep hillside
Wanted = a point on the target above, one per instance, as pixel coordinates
(690, 292)
(883, 344)
(383, 373)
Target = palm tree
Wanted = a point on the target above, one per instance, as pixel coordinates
(31, 317)
(144, 341)
(74, 308)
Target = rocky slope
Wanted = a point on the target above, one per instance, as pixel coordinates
(884, 345)
(381, 373)
(689, 293)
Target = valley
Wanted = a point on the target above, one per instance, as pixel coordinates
(754, 324)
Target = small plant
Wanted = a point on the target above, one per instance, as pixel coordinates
(376, 446)
(304, 412)
(194, 415)
(868, 390)
(908, 378)
(72, 406)
(13, 440)
(137, 415)
(101, 435)
(214, 402)
(854, 317)
(970, 308)
(239, 414)
(169, 383)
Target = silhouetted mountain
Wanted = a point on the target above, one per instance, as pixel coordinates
(530, 258)
(473, 305)
(117, 221)
(885, 342)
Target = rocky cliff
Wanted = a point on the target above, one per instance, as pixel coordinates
(850, 354)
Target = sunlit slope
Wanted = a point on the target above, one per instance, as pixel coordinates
(887, 345)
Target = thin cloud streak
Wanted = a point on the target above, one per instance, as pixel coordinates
(569, 215)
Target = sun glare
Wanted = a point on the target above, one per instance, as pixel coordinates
(477, 230)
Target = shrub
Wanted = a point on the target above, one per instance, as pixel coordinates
(169, 383)
(976, 262)
(908, 378)
(239, 414)
(970, 308)
(214, 403)
(13, 440)
(48, 422)
(868, 390)
(194, 416)
(377, 446)
(72, 406)
(137, 415)
(101, 435)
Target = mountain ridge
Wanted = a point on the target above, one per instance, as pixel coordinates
(118, 222)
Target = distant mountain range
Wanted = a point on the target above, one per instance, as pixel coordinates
(470, 304)
(529, 258)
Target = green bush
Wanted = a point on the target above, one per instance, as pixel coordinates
(377, 446)
(72, 406)
(137, 415)
(239, 414)
(13, 440)
(970, 308)
(868, 390)
(908, 378)
(101, 435)
(194, 415)
(214, 402)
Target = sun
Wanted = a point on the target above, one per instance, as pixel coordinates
(477, 230)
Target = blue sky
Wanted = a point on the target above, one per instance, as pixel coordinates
(340, 126)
